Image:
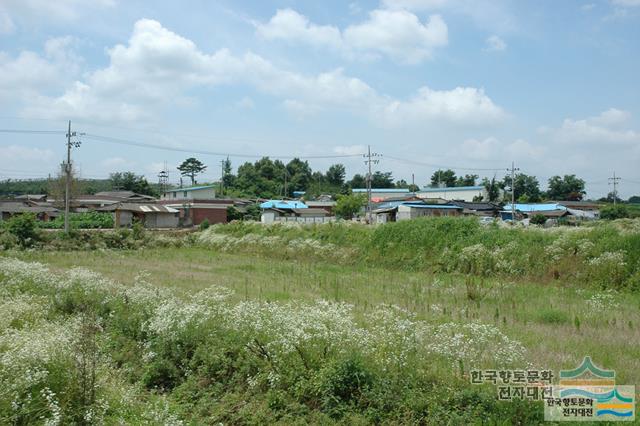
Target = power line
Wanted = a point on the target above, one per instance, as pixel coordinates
(614, 181)
(440, 166)
(39, 132)
(206, 152)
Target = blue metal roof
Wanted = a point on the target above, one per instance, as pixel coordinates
(389, 190)
(454, 188)
(527, 208)
(280, 204)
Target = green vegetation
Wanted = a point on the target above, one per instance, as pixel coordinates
(333, 323)
(614, 212)
(21, 230)
(348, 206)
(87, 220)
(454, 245)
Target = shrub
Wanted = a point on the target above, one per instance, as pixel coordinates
(614, 212)
(552, 316)
(538, 219)
(204, 224)
(23, 227)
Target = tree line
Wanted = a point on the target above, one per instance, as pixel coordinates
(267, 178)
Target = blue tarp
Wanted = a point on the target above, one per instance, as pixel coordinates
(280, 204)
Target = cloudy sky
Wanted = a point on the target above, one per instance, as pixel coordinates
(466, 84)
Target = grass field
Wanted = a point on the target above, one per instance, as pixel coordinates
(251, 325)
(542, 317)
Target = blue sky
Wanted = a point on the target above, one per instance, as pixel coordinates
(467, 84)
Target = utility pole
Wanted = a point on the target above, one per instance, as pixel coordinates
(513, 171)
(67, 169)
(614, 181)
(285, 183)
(222, 164)
(368, 162)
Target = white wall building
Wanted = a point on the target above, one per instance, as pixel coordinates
(459, 193)
(206, 192)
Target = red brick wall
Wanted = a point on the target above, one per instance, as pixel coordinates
(213, 215)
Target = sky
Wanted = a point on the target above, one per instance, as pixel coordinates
(472, 85)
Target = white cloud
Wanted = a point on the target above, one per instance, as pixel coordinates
(30, 72)
(493, 149)
(245, 103)
(462, 105)
(11, 155)
(587, 7)
(157, 67)
(602, 130)
(626, 3)
(119, 163)
(480, 149)
(495, 44)
(31, 12)
(494, 15)
(398, 34)
(289, 25)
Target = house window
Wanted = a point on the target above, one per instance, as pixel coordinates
(174, 195)
(184, 194)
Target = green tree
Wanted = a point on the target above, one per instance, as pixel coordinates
(443, 177)
(403, 184)
(614, 212)
(347, 206)
(493, 189)
(634, 199)
(129, 181)
(569, 188)
(382, 180)
(336, 174)
(191, 167)
(299, 175)
(467, 180)
(228, 178)
(358, 181)
(527, 188)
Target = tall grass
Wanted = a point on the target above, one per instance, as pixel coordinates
(607, 254)
(77, 347)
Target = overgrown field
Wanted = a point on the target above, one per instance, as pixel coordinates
(245, 324)
(606, 254)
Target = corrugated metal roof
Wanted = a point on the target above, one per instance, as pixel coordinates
(283, 204)
(379, 190)
(192, 188)
(527, 208)
(454, 188)
(432, 206)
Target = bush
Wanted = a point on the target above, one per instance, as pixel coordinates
(614, 212)
(204, 224)
(86, 220)
(23, 227)
(538, 219)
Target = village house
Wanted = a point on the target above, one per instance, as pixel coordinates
(458, 193)
(150, 215)
(381, 194)
(43, 211)
(292, 211)
(204, 192)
